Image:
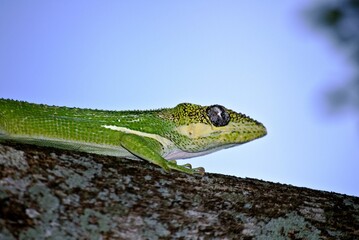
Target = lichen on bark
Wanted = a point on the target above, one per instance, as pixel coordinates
(57, 194)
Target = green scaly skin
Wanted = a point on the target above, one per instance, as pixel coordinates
(185, 131)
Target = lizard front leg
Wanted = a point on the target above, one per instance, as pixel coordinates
(150, 150)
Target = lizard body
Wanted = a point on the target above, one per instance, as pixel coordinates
(185, 131)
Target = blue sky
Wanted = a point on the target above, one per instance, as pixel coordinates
(262, 59)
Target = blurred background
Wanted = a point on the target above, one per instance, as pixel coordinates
(292, 65)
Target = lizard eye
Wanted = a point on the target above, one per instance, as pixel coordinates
(218, 115)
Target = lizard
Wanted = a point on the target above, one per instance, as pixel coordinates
(159, 136)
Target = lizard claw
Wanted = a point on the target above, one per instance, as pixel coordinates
(187, 165)
(199, 170)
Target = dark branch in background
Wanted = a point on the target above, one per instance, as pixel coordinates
(341, 20)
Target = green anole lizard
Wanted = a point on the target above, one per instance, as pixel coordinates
(185, 131)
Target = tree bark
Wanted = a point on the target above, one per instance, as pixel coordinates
(49, 193)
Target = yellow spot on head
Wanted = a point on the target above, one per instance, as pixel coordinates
(196, 130)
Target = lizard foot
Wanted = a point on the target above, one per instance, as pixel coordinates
(187, 168)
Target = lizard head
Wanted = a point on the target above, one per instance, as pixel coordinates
(211, 128)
